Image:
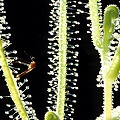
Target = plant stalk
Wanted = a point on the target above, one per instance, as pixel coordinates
(107, 100)
(62, 60)
(12, 85)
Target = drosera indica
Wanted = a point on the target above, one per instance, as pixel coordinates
(104, 29)
(63, 56)
(103, 36)
(21, 108)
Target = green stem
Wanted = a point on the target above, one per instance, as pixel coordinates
(115, 66)
(110, 70)
(62, 60)
(95, 28)
(110, 77)
(12, 85)
(107, 99)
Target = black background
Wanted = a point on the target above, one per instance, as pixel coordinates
(28, 20)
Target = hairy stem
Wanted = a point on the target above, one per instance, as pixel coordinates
(95, 28)
(62, 60)
(110, 70)
(115, 66)
(107, 99)
(12, 85)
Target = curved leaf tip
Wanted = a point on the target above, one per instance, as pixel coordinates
(51, 116)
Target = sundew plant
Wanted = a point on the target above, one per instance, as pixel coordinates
(63, 50)
(104, 29)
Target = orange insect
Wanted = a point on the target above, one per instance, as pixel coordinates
(31, 66)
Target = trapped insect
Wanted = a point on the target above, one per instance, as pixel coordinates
(31, 66)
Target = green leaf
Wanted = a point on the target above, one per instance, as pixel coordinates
(51, 116)
(111, 13)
